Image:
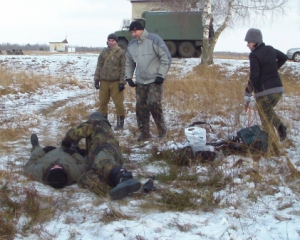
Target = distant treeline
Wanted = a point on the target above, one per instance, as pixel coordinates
(43, 47)
(234, 54)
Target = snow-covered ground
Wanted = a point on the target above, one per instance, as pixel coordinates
(270, 216)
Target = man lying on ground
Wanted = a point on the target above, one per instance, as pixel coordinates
(57, 167)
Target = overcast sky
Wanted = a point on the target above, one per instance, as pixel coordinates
(88, 23)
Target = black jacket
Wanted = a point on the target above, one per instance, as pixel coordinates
(264, 64)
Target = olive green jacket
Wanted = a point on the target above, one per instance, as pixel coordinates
(111, 65)
(40, 163)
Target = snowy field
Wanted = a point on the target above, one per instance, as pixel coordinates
(273, 215)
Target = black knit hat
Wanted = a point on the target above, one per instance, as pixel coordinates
(136, 25)
(254, 35)
(113, 36)
(57, 178)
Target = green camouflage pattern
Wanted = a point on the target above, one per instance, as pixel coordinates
(269, 118)
(265, 106)
(111, 65)
(148, 100)
(101, 145)
(90, 180)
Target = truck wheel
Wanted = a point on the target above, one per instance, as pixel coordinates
(172, 48)
(186, 49)
(296, 57)
(123, 44)
(198, 52)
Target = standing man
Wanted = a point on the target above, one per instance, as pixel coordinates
(110, 74)
(147, 55)
(104, 155)
(264, 81)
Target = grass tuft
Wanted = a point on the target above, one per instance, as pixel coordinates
(111, 214)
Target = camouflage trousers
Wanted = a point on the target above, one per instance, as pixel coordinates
(111, 89)
(91, 181)
(105, 161)
(265, 106)
(269, 118)
(149, 100)
(97, 178)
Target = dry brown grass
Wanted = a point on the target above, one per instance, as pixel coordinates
(204, 93)
(207, 94)
(30, 204)
(21, 82)
(111, 214)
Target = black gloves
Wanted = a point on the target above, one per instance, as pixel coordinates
(70, 151)
(68, 145)
(159, 80)
(48, 149)
(130, 82)
(96, 84)
(66, 142)
(121, 87)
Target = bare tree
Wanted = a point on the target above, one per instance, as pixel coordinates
(226, 13)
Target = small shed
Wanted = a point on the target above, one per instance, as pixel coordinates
(58, 46)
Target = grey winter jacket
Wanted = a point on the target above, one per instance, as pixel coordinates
(149, 57)
(40, 163)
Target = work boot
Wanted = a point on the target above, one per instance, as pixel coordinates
(34, 140)
(120, 123)
(162, 134)
(124, 183)
(149, 185)
(143, 137)
(282, 132)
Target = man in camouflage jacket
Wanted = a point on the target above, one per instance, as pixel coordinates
(57, 167)
(110, 73)
(104, 155)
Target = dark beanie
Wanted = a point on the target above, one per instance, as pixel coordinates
(57, 178)
(254, 35)
(136, 25)
(113, 36)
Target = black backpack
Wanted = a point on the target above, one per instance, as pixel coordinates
(255, 138)
(251, 139)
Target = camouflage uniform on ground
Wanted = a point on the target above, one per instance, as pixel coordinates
(102, 148)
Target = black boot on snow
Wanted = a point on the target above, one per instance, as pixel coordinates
(282, 132)
(34, 140)
(123, 182)
(120, 123)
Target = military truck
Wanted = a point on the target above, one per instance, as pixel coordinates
(181, 31)
(15, 52)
